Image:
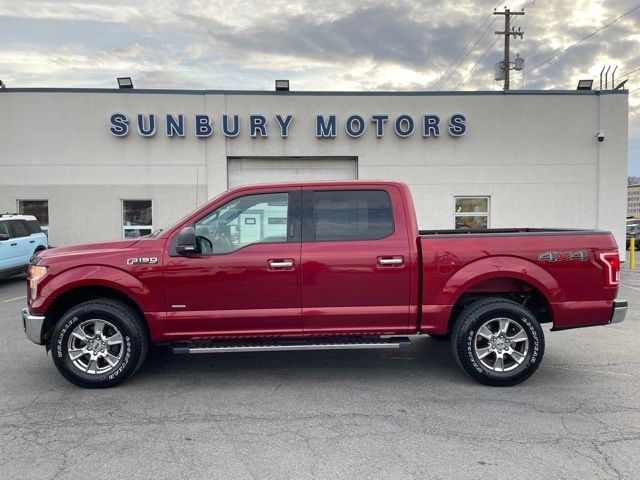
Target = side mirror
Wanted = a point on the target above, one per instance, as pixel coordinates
(186, 242)
(4, 236)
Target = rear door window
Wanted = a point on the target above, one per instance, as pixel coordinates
(33, 226)
(343, 215)
(19, 228)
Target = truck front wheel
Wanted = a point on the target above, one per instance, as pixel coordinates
(99, 343)
(497, 341)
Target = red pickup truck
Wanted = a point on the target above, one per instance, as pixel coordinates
(311, 266)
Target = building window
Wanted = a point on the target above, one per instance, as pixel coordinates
(471, 213)
(37, 208)
(137, 219)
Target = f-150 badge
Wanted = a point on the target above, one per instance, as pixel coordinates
(578, 256)
(142, 261)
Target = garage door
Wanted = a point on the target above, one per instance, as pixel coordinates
(244, 171)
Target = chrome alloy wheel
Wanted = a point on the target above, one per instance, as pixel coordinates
(501, 344)
(95, 346)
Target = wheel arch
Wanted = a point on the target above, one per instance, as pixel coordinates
(512, 278)
(78, 295)
(510, 288)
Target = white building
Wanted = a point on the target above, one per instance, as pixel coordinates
(80, 159)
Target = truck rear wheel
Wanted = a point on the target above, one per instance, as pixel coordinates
(99, 343)
(497, 341)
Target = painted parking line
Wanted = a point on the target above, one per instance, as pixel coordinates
(629, 286)
(14, 299)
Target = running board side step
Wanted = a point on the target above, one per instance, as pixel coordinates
(280, 345)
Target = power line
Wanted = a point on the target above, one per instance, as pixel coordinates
(633, 91)
(628, 74)
(477, 63)
(464, 49)
(457, 66)
(585, 38)
(468, 53)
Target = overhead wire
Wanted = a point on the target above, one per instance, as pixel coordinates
(477, 63)
(469, 52)
(628, 12)
(457, 66)
(628, 74)
(460, 53)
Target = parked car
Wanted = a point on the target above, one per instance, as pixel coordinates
(312, 266)
(20, 238)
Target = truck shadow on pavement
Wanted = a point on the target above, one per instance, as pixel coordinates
(424, 357)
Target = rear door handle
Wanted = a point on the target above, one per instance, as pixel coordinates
(14, 244)
(281, 264)
(32, 241)
(390, 261)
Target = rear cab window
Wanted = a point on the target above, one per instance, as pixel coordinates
(348, 215)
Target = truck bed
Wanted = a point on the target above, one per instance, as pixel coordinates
(558, 265)
(510, 231)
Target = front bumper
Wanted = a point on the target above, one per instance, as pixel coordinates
(619, 311)
(32, 325)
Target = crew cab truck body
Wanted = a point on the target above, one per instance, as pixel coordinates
(323, 265)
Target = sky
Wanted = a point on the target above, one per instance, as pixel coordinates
(327, 45)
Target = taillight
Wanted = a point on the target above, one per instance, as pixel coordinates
(611, 263)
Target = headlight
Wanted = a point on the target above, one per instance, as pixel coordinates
(35, 275)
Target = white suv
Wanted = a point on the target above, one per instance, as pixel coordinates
(20, 238)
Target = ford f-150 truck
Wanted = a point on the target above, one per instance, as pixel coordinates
(311, 266)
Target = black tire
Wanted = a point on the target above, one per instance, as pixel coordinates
(131, 352)
(465, 340)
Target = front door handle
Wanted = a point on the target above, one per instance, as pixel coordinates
(281, 264)
(390, 261)
(32, 241)
(14, 244)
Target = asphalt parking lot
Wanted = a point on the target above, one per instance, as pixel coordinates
(336, 414)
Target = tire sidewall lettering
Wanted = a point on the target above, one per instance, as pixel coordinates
(60, 340)
(469, 351)
(125, 361)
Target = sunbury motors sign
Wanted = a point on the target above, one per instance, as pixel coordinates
(326, 126)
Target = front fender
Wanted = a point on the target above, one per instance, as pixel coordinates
(499, 267)
(95, 275)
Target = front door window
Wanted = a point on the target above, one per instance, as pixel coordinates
(247, 220)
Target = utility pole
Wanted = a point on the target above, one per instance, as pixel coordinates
(508, 33)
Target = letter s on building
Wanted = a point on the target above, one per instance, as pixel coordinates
(457, 125)
(119, 125)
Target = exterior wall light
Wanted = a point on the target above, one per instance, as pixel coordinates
(585, 84)
(282, 85)
(125, 82)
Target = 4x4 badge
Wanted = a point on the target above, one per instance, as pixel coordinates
(578, 256)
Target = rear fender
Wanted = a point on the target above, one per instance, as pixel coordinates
(436, 316)
(500, 267)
